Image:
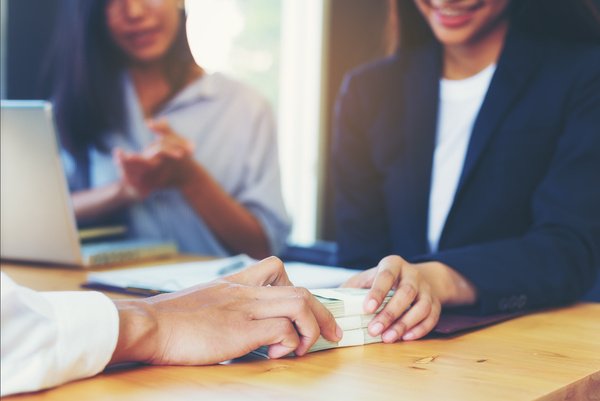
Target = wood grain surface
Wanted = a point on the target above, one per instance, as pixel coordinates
(549, 355)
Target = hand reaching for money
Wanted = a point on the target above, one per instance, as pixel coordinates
(224, 319)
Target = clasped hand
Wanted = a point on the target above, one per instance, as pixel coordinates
(413, 310)
(224, 319)
(166, 162)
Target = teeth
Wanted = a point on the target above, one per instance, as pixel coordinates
(451, 12)
(455, 3)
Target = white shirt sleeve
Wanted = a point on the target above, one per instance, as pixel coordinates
(49, 338)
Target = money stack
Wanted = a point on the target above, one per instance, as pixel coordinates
(346, 306)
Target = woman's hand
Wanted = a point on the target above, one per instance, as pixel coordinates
(167, 162)
(224, 319)
(139, 176)
(168, 143)
(414, 309)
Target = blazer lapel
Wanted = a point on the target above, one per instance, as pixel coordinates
(515, 67)
(420, 91)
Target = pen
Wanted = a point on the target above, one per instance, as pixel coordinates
(143, 291)
(231, 267)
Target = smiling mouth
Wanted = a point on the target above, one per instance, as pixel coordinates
(142, 38)
(455, 8)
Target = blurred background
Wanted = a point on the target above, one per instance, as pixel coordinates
(294, 51)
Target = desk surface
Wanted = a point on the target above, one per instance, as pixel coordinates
(550, 355)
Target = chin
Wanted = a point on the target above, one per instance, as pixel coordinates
(147, 56)
(456, 38)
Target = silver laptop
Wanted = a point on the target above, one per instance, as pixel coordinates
(37, 220)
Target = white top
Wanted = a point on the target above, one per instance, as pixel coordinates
(233, 131)
(49, 338)
(460, 101)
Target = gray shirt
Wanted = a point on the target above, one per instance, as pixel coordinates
(233, 131)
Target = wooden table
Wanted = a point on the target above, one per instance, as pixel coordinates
(551, 355)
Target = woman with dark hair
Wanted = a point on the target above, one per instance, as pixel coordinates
(153, 140)
(471, 156)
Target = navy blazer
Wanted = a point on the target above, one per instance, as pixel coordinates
(524, 226)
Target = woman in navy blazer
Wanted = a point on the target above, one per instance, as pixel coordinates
(523, 229)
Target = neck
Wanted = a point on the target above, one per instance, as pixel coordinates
(465, 60)
(152, 86)
(148, 71)
(156, 72)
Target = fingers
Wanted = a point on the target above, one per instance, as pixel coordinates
(161, 149)
(418, 321)
(297, 304)
(297, 312)
(426, 325)
(396, 320)
(292, 302)
(280, 299)
(132, 160)
(269, 271)
(386, 278)
(124, 159)
(361, 280)
(394, 326)
(132, 170)
(405, 294)
(278, 333)
(166, 134)
(118, 154)
(161, 127)
(303, 301)
(168, 145)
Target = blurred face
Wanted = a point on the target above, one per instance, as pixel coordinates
(463, 22)
(143, 29)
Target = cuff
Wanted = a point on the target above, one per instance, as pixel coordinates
(88, 331)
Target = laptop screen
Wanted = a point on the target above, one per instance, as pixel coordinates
(37, 220)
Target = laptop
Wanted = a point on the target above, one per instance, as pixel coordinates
(37, 218)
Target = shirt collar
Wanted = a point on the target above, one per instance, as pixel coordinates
(203, 88)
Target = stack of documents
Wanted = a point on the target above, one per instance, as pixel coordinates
(346, 306)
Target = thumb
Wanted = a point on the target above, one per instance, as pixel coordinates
(269, 271)
(118, 154)
(160, 127)
(165, 133)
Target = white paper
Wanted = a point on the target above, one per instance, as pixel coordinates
(177, 276)
(317, 276)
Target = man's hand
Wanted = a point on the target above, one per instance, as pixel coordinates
(224, 319)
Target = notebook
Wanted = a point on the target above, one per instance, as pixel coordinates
(37, 219)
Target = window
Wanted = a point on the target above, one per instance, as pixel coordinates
(277, 47)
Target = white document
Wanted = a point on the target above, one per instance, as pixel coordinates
(177, 276)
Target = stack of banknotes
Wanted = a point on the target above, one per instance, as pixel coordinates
(346, 306)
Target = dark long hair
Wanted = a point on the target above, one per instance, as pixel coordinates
(86, 68)
(571, 20)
